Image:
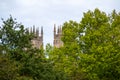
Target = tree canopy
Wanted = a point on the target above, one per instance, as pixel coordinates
(90, 51)
(91, 47)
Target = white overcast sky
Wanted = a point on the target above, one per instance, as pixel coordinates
(46, 13)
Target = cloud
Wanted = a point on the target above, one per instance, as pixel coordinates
(48, 12)
(27, 2)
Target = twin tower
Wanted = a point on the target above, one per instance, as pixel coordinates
(37, 41)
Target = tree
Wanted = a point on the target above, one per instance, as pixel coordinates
(19, 60)
(14, 38)
(100, 45)
(48, 50)
(66, 57)
(91, 47)
(8, 68)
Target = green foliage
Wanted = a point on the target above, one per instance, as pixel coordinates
(90, 51)
(48, 50)
(8, 69)
(19, 60)
(14, 38)
(70, 32)
(100, 45)
(91, 47)
(66, 58)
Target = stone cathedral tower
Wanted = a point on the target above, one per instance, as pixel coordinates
(57, 37)
(37, 41)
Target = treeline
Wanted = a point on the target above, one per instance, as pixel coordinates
(91, 50)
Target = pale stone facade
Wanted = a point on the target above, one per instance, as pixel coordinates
(57, 37)
(37, 41)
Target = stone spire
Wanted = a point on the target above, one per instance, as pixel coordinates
(33, 29)
(37, 41)
(41, 31)
(58, 31)
(54, 29)
(37, 32)
(57, 37)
